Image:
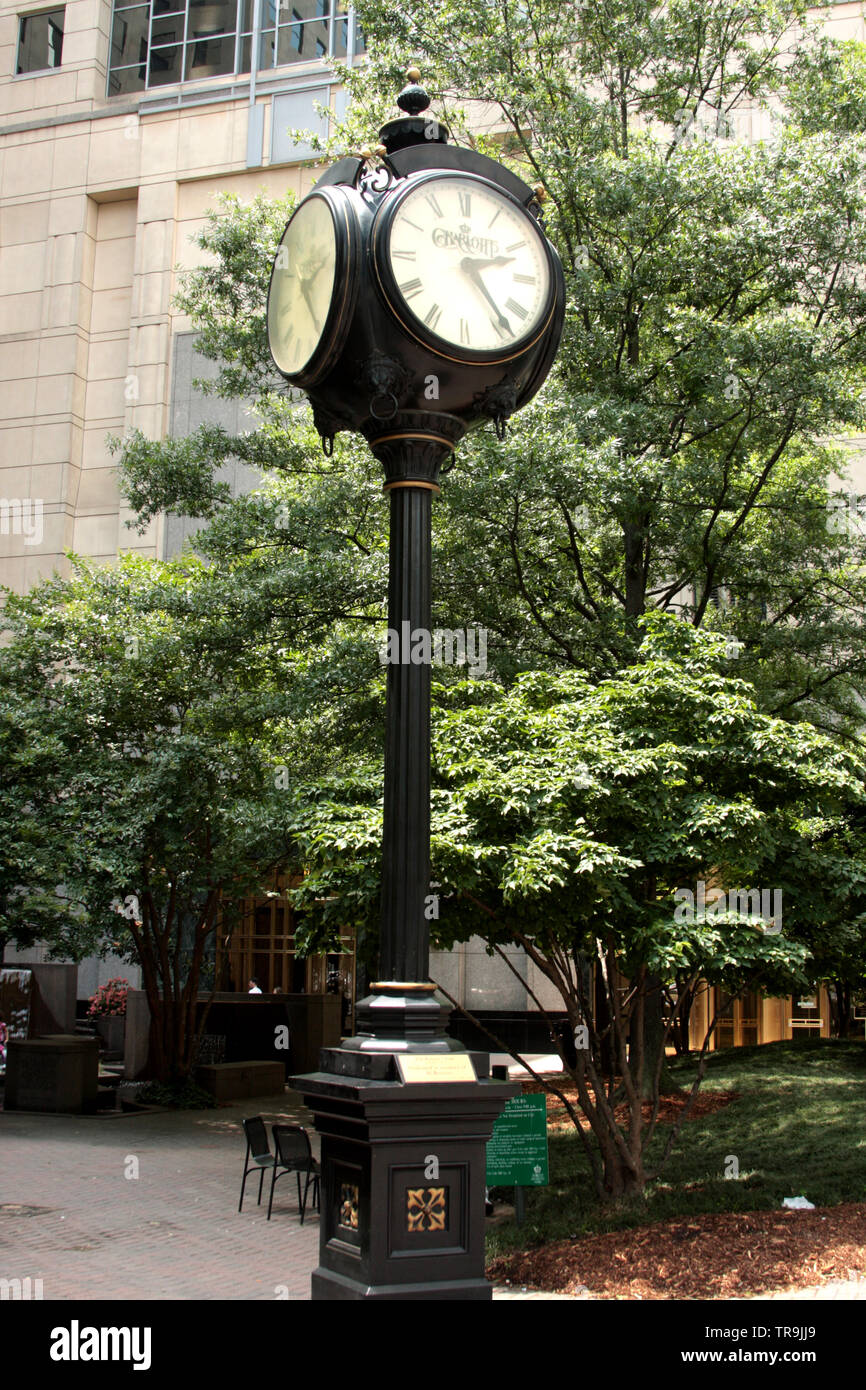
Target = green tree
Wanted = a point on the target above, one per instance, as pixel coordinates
(714, 337)
(34, 744)
(832, 911)
(567, 814)
(714, 343)
(156, 729)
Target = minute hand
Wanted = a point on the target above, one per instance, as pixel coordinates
(473, 269)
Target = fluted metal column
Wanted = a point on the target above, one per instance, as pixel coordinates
(405, 935)
(411, 457)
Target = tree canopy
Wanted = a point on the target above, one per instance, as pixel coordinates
(148, 723)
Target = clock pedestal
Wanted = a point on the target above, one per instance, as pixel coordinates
(403, 1177)
(411, 450)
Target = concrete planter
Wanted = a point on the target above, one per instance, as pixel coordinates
(56, 1074)
(111, 1030)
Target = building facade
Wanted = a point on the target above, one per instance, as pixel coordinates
(117, 131)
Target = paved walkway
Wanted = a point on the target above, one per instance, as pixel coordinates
(841, 1289)
(70, 1216)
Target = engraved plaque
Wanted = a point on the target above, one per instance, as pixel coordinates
(417, 1069)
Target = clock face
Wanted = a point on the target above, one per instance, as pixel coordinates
(302, 286)
(469, 265)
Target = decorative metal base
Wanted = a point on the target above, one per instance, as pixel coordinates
(400, 1017)
(326, 1285)
(403, 1162)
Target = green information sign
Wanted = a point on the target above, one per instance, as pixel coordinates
(517, 1152)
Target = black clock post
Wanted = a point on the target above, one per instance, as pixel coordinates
(404, 1111)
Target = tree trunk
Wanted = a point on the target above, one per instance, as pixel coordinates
(603, 1025)
(635, 580)
(653, 1034)
(681, 1029)
(843, 1014)
(620, 1179)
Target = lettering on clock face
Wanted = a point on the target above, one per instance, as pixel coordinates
(469, 264)
(302, 287)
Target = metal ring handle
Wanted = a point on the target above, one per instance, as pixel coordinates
(384, 396)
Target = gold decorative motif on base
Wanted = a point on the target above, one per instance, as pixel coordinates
(426, 1209)
(349, 1206)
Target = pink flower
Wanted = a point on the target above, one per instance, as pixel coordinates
(109, 1000)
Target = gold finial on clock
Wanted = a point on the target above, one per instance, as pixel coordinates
(413, 74)
(380, 150)
(541, 193)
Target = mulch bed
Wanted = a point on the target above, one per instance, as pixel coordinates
(670, 1108)
(729, 1255)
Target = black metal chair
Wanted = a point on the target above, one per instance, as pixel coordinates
(259, 1149)
(294, 1155)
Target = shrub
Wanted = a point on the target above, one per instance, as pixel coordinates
(109, 1001)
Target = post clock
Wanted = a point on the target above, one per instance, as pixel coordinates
(414, 296)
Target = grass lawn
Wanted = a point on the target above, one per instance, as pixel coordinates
(797, 1127)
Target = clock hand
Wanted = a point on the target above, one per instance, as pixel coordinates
(470, 268)
(309, 303)
(477, 265)
(308, 276)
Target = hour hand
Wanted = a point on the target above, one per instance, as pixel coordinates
(472, 268)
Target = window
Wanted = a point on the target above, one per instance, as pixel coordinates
(297, 36)
(739, 1019)
(168, 41)
(40, 41)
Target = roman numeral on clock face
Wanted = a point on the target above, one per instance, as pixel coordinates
(464, 332)
(432, 317)
(409, 288)
(408, 256)
(431, 199)
(516, 308)
(465, 203)
(523, 279)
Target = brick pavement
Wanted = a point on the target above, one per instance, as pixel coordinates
(69, 1216)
